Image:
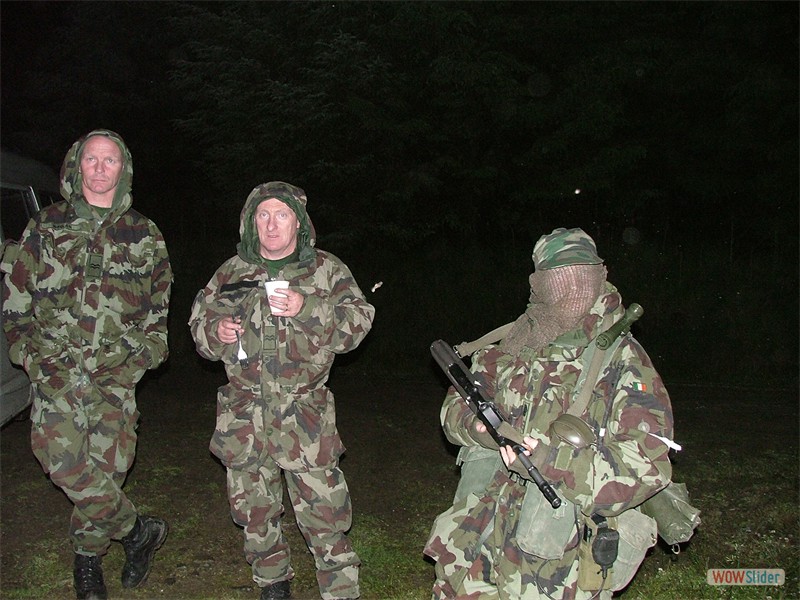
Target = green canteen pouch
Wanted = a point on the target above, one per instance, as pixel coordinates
(572, 430)
(675, 516)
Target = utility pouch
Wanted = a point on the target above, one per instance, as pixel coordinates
(637, 534)
(478, 467)
(596, 554)
(544, 531)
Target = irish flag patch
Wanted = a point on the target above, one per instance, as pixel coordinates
(639, 386)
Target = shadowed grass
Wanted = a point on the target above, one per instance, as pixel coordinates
(750, 518)
(389, 567)
(41, 572)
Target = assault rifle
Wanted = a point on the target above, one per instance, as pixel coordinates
(470, 389)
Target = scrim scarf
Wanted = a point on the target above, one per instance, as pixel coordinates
(560, 298)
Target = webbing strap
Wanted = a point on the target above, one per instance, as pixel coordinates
(586, 381)
(467, 348)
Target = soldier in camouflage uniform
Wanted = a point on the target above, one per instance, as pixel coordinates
(276, 414)
(86, 295)
(501, 539)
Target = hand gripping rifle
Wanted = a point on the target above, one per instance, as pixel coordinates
(470, 389)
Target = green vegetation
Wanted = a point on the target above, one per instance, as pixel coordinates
(42, 572)
(749, 520)
(389, 569)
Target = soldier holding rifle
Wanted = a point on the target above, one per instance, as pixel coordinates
(594, 420)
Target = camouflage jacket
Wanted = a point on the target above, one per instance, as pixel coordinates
(85, 297)
(279, 404)
(630, 407)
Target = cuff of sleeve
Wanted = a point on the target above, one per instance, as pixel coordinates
(307, 310)
(483, 439)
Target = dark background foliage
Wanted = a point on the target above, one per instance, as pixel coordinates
(438, 140)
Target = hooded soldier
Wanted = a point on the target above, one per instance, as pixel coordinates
(86, 296)
(276, 414)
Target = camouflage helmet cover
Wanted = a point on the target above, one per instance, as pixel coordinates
(564, 247)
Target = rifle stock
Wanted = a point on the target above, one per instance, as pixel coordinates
(467, 385)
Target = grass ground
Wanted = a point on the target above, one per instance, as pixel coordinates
(740, 462)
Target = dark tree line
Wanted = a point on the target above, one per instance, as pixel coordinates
(422, 107)
(435, 111)
(444, 135)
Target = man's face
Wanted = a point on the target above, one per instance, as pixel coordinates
(101, 166)
(277, 227)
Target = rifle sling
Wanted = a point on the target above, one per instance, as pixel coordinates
(586, 383)
(466, 348)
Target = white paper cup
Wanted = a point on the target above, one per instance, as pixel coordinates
(274, 289)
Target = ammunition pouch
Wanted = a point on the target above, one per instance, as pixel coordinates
(544, 531)
(572, 430)
(478, 467)
(637, 534)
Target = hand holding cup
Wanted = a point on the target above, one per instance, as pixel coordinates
(277, 296)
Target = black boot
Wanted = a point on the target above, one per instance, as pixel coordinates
(88, 575)
(276, 591)
(147, 536)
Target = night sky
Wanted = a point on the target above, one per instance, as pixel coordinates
(438, 141)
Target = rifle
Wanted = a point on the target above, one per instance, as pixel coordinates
(471, 391)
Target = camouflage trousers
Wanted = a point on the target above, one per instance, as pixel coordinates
(477, 554)
(87, 446)
(321, 503)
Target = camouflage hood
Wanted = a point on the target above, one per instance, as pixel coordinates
(72, 180)
(249, 248)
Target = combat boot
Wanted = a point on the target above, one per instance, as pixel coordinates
(88, 575)
(276, 591)
(141, 543)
